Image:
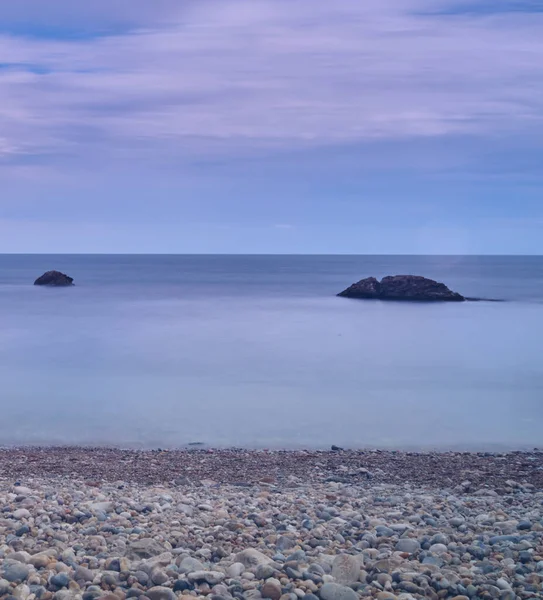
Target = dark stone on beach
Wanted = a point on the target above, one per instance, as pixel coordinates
(182, 585)
(54, 278)
(402, 287)
(22, 530)
(477, 552)
(60, 580)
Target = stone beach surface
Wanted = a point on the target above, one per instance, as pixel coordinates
(83, 524)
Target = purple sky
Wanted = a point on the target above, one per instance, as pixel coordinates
(405, 126)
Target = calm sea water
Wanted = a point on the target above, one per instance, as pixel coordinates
(150, 351)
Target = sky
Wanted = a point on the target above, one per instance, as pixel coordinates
(271, 126)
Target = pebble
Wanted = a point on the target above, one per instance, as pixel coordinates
(160, 593)
(438, 548)
(189, 565)
(346, 568)
(21, 513)
(408, 545)
(60, 580)
(211, 577)
(15, 571)
(334, 591)
(271, 590)
(252, 558)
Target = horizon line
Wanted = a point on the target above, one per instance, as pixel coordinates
(256, 254)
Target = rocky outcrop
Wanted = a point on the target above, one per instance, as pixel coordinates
(54, 278)
(365, 288)
(402, 287)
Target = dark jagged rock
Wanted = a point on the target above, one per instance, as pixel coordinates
(412, 287)
(402, 287)
(365, 288)
(54, 278)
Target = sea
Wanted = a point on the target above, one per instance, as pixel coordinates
(171, 351)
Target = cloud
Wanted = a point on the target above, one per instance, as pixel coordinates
(206, 79)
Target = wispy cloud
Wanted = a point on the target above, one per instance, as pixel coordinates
(214, 76)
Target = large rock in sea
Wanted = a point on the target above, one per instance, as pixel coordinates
(402, 287)
(54, 278)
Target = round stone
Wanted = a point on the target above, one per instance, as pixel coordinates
(408, 545)
(190, 565)
(271, 590)
(15, 571)
(264, 571)
(160, 593)
(60, 580)
(438, 548)
(334, 591)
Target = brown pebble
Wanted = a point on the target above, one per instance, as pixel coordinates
(271, 590)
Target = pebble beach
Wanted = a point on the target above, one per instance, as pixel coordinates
(83, 524)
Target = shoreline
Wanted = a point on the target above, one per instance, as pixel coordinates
(108, 524)
(243, 467)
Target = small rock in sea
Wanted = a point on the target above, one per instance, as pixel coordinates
(401, 287)
(54, 278)
(335, 448)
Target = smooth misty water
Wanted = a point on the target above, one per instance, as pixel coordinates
(258, 351)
